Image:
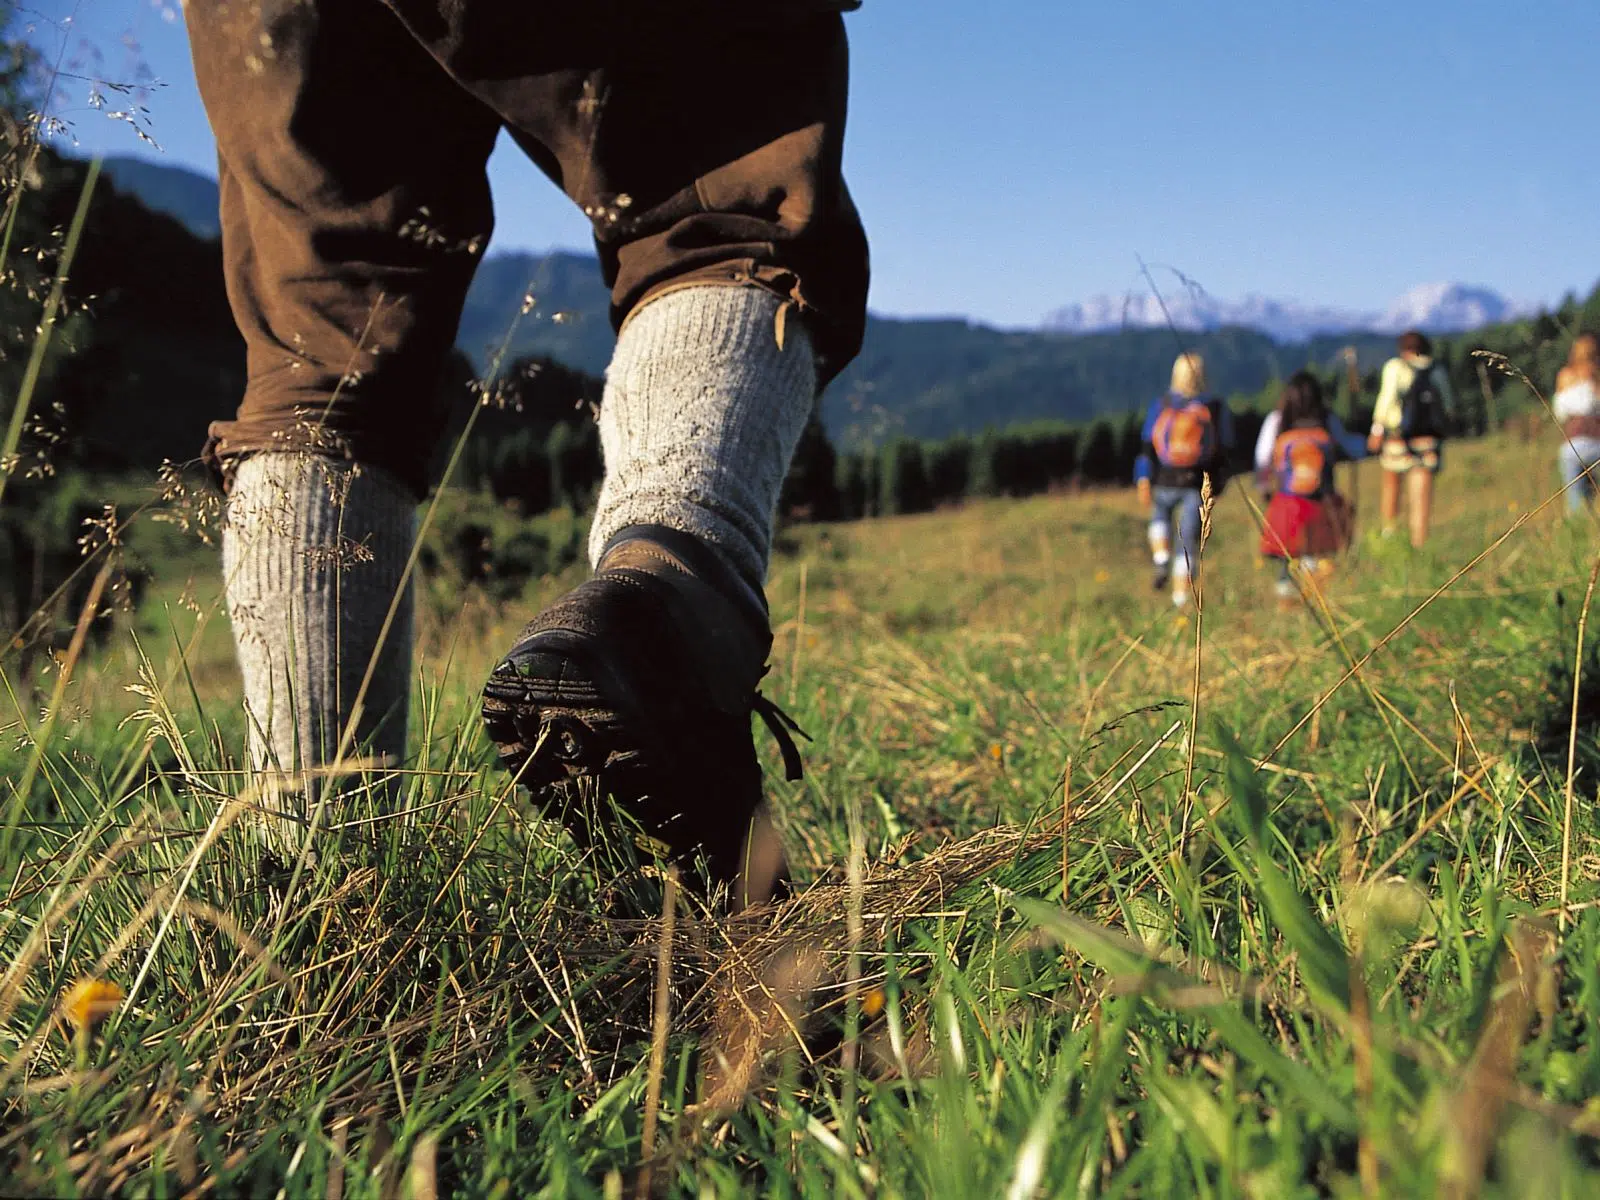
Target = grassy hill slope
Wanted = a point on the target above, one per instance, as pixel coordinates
(1248, 901)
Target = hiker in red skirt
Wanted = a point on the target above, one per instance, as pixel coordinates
(1306, 519)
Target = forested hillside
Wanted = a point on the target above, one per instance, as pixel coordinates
(146, 354)
(935, 379)
(187, 196)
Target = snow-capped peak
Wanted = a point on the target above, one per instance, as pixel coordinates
(1434, 307)
(1448, 308)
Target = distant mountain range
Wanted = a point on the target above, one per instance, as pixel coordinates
(188, 196)
(567, 283)
(1431, 307)
(569, 320)
(932, 378)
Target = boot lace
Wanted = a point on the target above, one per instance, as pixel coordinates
(781, 725)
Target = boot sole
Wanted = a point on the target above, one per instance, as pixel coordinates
(553, 701)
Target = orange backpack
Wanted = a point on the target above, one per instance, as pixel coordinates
(1302, 458)
(1184, 435)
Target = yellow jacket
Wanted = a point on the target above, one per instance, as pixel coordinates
(1397, 376)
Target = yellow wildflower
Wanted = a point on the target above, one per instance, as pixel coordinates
(872, 1002)
(90, 1001)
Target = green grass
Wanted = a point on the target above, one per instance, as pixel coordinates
(1303, 936)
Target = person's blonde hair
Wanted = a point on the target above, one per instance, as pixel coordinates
(1583, 362)
(1189, 375)
(1584, 357)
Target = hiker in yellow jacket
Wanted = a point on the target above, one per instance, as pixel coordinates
(1408, 427)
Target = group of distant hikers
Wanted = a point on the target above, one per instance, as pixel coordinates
(1189, 438)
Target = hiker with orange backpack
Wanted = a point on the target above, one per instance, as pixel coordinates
(1353, 444)
(1306, 518)
(1188, 435)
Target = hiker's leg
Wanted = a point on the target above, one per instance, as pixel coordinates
(352, 220)
(1284, 583)
(1579, 460)
(1162, 503)
(1160, 544)
(313, 549)
(1572, 477)
(1419, 504)
(736, 259)
(706, 149)
(1589, 456)
(1186, 553)
(1389, 499)
(1161, 533)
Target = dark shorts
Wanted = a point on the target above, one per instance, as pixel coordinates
(701, 137)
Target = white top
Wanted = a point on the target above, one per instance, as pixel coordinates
(1578, 399)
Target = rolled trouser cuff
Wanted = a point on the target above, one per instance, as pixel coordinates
(316, 429)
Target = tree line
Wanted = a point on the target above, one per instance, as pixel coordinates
(536, 447)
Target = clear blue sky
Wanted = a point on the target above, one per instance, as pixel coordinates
(1014, 156)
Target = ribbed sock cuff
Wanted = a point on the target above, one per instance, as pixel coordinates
(700, 418)
(313, 552)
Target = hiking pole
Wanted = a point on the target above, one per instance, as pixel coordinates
(1353, 377)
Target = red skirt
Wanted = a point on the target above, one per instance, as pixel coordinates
(1297, 527)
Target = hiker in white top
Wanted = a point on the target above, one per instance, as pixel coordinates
(1408, 427)
(1352, 444)
(1577, 407)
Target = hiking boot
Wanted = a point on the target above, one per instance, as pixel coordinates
(1159, 581)
(644, 681)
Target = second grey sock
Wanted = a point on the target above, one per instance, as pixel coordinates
(313, 550)
(700, 418)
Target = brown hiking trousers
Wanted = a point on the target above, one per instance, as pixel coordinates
(701, 137)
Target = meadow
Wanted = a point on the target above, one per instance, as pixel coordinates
(1097, 898)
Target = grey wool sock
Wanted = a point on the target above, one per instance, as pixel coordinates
(312, 551)
(701, 414)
